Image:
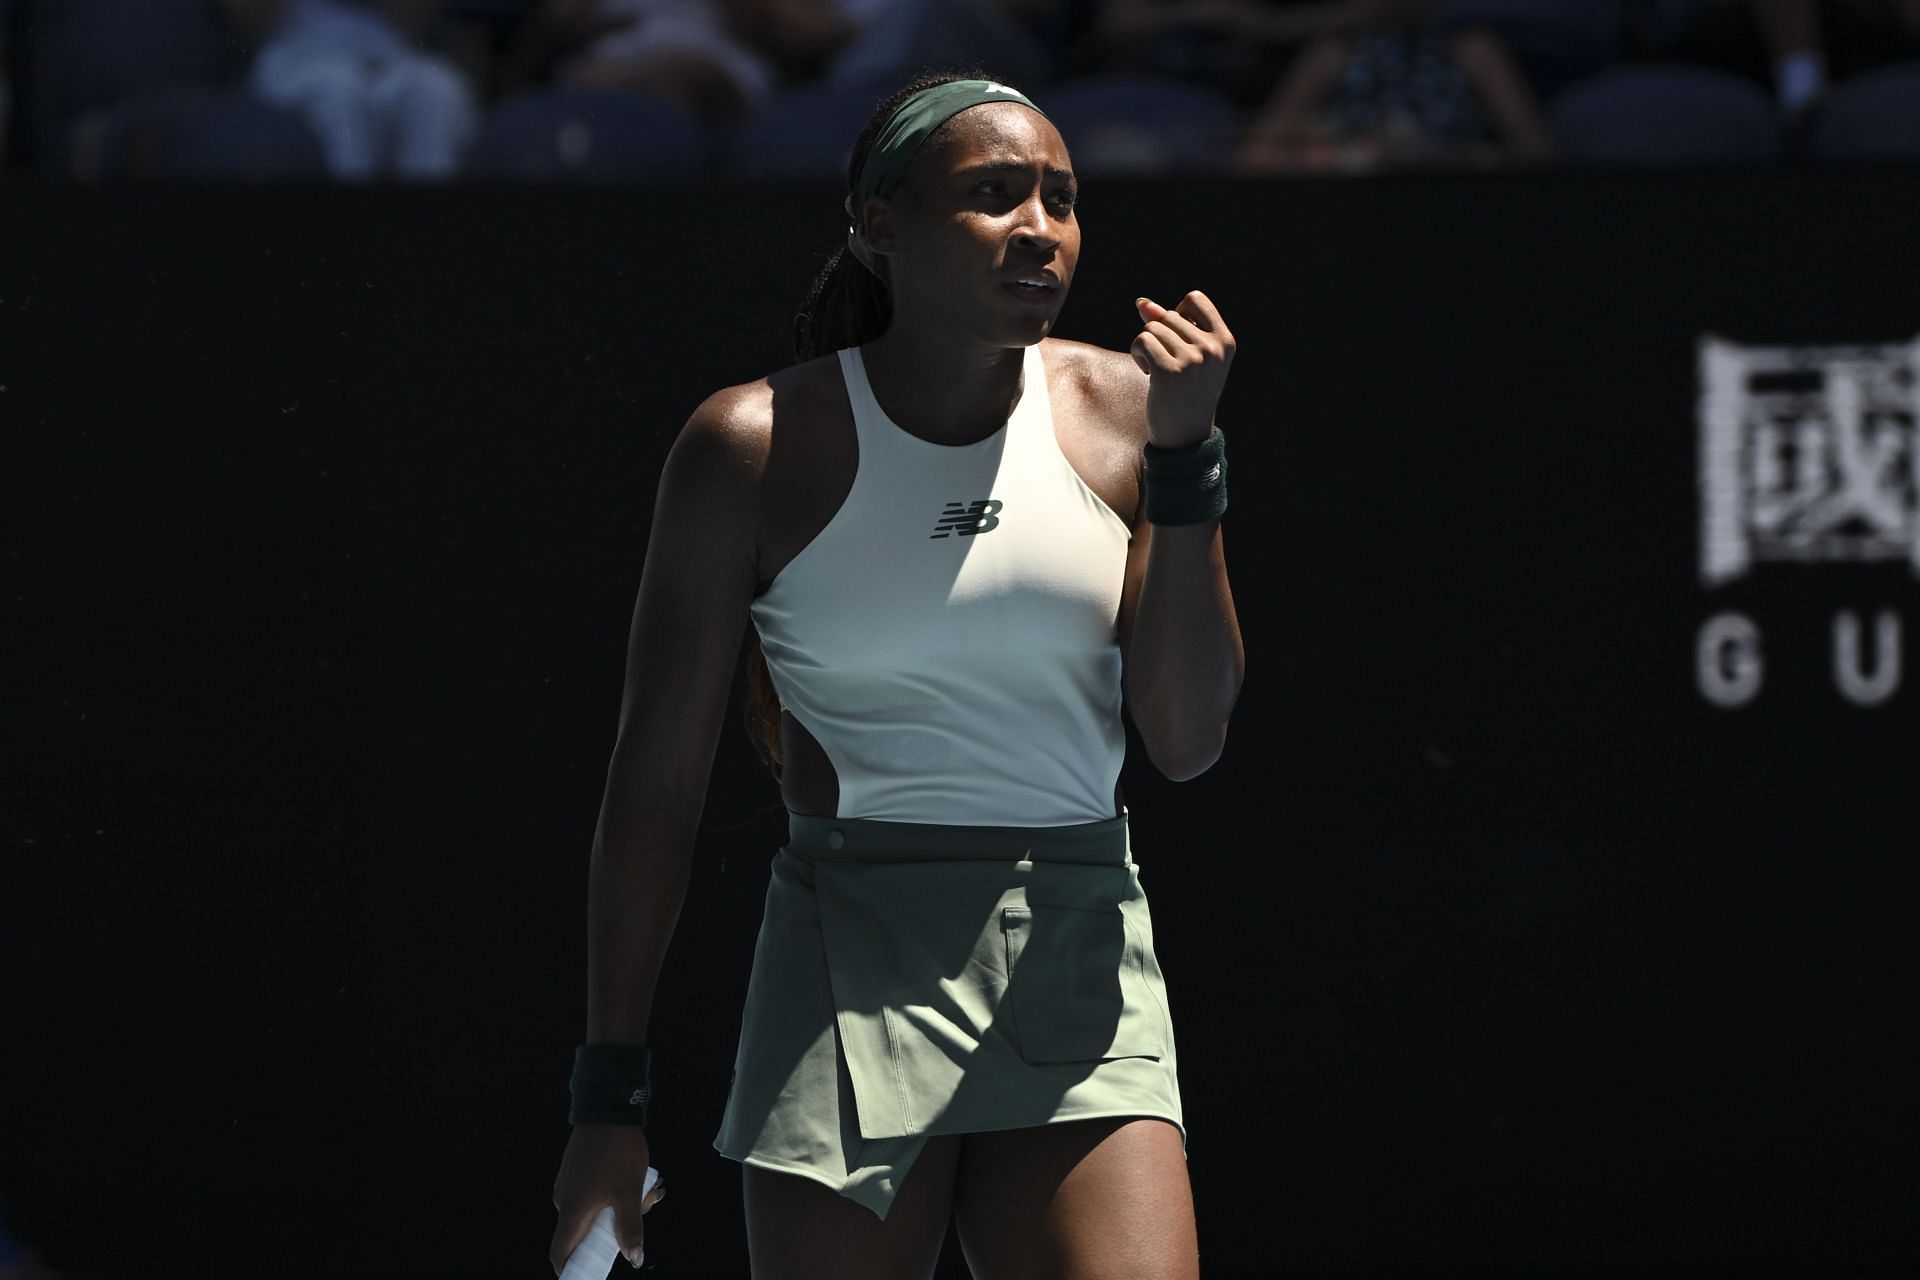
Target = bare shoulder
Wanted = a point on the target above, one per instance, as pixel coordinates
(732, 425)
(1110, 386)
(731, 431)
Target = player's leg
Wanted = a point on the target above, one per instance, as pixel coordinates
(1080, 1200)
(801, 1229)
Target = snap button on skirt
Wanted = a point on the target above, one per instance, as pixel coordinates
(912, 979)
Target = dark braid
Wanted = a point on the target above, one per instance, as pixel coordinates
(846, 307)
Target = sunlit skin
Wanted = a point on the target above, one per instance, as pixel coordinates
(990, 198)
(990, 195)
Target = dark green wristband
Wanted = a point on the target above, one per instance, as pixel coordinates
(612, 1084)
(1187, 486)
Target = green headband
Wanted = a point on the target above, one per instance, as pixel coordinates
(909, 126)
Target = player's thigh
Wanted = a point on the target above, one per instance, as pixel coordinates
(1080, 1200)
(800, 1229)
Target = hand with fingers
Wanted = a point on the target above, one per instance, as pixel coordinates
(1186, 353)
(604, 1172)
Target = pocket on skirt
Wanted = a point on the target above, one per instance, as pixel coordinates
(1077, 985)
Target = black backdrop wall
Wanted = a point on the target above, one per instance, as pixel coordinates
(1551, 907)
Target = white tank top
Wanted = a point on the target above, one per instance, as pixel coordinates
(951, 638)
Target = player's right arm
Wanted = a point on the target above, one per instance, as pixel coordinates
(683, 647)
(689, 621)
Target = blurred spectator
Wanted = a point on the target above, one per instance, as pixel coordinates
(542, 36)
(382, 106)
(894, 38)
(691, 52)
(1144, 125)
(1798, 48)
(1238, 48)
(1415, 94)
(725, 59)
(1558, 43)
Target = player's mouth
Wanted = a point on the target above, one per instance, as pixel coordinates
(1035, 288)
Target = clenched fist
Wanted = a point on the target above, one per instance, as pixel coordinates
(1186, 353)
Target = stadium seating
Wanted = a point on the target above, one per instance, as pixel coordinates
(198, 134)
(587, 135)
(1874, 116)
(1556, 42)
(1129, 123)
(804, 131)
(1665, 116)
(88, 55)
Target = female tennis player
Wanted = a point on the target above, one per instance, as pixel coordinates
(959, 544)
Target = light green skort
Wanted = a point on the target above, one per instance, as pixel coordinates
(912, 979)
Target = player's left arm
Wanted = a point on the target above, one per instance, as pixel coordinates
(1182, 658)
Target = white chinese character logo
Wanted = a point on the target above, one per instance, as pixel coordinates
(1808, 454)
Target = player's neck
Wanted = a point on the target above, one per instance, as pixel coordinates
(943, 386)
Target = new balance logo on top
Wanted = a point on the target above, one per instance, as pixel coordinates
(967, 518)
(993, 87)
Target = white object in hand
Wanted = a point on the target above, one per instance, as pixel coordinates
(595, 1256)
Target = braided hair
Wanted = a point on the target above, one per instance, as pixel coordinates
(847, 306)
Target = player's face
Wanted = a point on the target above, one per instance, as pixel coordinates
(991, 200)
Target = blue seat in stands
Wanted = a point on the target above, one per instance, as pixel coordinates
(1873, 116)
(1134, 124)
(199, 135)
(88, 55)
(804, 131)
(587, 135)
(1665, 116)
